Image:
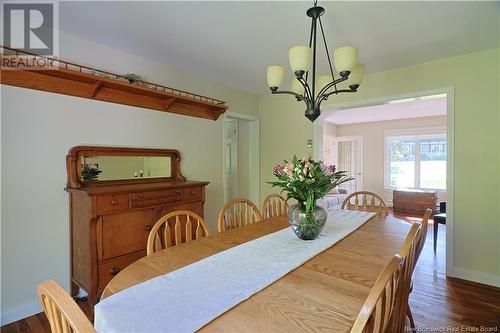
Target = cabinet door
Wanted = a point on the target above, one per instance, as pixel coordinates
(195, 207)
(124, 233)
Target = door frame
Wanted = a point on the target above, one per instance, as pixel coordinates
(450, 161)
(254, 152)
(359, 152)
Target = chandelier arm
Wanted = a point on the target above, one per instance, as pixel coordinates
(298, 96)
(307, 89)
(325, 96)
(329, 85)
(327, 53)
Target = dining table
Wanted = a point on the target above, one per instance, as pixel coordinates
(325, 293)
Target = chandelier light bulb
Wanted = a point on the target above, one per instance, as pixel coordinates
(356, 76)
(275, 76)
(296, 86)
(300, 58)
(345, 58)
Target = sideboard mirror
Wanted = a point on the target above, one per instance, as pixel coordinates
(92, 166)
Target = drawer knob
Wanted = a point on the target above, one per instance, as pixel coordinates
(193, 193)
(114, 202)
(178, 198)
(114, 270)
(149, 227)
(178, 191)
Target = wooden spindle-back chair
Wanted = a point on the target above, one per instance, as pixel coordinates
(172, 228)
(409, 254)
(63, 313)
(419, 247)
(379, 308)
(274, 205)
(365, 201)
(236, 213)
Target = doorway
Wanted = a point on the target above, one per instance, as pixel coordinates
(241, 159)
(387, 166)
(348, 156)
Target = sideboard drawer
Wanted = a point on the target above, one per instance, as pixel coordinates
(112, 203)
(156, 202)
(106, 271)
(139, 196)
(192, 193)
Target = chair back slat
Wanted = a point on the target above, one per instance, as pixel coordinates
(237, 213)
(63, 314)
(274, 205)
(189, 229)
(366, 201)
(172, 223)
(379, 309)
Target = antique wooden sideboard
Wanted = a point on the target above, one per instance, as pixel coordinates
(110, 219)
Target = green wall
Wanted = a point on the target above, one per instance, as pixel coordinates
(475, 78)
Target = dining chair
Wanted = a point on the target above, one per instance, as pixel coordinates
(61, 310)
(409, 254)
(365, 201)
(376, 314)
(274, 205)
(421, 237)
(236, 213)
(172, 225)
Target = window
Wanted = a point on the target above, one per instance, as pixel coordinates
(416, 159)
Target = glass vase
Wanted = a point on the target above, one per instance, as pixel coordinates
(307, 225)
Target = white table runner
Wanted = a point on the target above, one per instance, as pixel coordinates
(187, 299)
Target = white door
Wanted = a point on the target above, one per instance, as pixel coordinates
(348, 156)
(231, 159)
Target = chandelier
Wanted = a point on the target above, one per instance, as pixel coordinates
(319, 89)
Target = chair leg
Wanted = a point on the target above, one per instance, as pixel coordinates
(436, 226)
(410, 318)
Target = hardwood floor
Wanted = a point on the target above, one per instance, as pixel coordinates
(438, 304)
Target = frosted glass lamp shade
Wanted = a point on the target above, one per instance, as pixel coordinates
(275, 76)
(299, 57)
(322, 81)
(357, 74)
(296, 86)
(345, 58)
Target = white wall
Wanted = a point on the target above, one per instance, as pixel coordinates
(38, 129)
(373, 147)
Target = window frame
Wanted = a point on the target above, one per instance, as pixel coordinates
(411, 133)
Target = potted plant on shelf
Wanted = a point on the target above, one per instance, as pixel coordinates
(306, 181)
(90, 172)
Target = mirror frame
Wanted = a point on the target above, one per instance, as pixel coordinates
(73, 164)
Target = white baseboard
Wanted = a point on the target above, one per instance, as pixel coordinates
(475, 276)
(23, 311)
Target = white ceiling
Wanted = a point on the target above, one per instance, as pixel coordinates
(233, 42)
(402, 110)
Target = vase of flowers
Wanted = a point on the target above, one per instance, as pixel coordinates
(306, 181)
(90, 172)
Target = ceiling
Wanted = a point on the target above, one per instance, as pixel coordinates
(391, 111)
(234, 41)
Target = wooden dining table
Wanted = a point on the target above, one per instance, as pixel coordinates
(324, 294)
